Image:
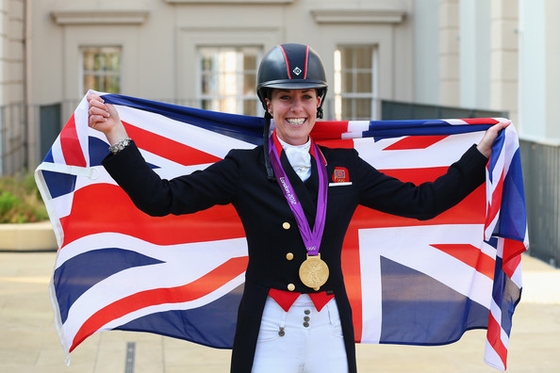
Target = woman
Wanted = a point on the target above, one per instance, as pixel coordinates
(294, 315)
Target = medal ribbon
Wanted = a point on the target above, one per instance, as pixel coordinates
(311, 238)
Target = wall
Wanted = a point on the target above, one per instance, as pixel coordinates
(13, 123)
(12, 49)
(160, 44)
(426, 52)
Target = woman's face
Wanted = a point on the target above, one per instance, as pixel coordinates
(294, 113)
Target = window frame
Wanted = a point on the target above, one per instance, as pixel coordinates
(95, 73)
(340, 71)
(242, 94)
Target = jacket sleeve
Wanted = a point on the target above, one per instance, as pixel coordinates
(184, 194)
(427, 200)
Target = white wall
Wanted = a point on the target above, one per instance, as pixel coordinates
(552, 68)
(474, 51)
(12, 52)
(426, 52)
(532, 69)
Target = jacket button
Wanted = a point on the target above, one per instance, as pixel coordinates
(289, 256)
(286, 225)
(291, 287)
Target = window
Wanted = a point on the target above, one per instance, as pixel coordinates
(228, 78)
(355, 83)
(102, 69)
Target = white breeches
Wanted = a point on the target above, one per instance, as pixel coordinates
(301, 340)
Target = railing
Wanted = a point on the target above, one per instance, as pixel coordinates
(407, 110)
(541, 173)
(13, 139)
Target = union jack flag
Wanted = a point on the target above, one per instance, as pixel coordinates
(409, 282)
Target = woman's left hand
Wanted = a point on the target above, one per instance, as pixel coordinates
(485, 145)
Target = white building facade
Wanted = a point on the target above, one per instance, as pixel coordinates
(486, 54)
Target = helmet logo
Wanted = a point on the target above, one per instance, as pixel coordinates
(297, 71)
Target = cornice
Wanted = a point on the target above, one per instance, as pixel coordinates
(262, 2)
(100, 16)
(358, 15)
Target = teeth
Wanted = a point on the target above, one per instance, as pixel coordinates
(297, 121)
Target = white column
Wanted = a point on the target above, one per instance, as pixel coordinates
(474, 50)
(532, 70)
(426, 51)
(552, 69)
(504, 56)
(449, 52)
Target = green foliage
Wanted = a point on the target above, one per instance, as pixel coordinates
(20, 200)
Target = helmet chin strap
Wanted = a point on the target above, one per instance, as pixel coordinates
(266, 130)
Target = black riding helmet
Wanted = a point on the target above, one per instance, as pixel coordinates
(289, 66)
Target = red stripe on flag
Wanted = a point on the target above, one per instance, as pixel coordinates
(71, 148)
(511, 257)
(352, 276)
(415, 142)
(471, 256)
(480, 121)
(328, 130)
(344, 144)
(167, 148)
(493, 335)
(87, 218)
(204, 285)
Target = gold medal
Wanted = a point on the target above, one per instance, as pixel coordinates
(314, 272)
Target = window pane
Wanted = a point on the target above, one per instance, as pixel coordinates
(348, 82)
(347, 110)
(347, 58)
(101, 69)
(363, 109)
(250, 107)
(363, 57)
(364, 82)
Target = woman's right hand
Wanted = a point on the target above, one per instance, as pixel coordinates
(105, 118)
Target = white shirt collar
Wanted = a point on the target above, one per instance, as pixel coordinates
(299, 157)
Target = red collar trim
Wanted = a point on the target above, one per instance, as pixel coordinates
(286, 299)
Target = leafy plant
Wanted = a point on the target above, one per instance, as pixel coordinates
(20, 200)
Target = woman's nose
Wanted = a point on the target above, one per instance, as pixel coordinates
(296, 105)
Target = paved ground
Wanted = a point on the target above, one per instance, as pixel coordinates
(29, 342)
